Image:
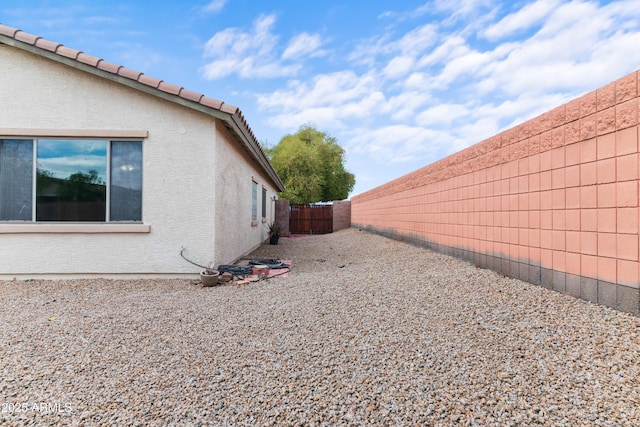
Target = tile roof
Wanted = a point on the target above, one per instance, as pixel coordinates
(231, 115)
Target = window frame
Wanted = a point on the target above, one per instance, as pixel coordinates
(254, 202)
(107, 226)
(264, 204)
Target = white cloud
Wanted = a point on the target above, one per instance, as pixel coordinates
(254, 53)
(450, 47)
(214, 6)
(417, 41)
(250, 54)
(234, 42)
(467, 62)
(525, 18)
(334, 89)
(441, 115)
(366, 52)
(329, 101)
(460, 9)
(322, 117)
(396, 143)
(302, 45)
(403, 106)
(364, 108)
(398, 67)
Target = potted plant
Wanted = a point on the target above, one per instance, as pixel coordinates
(209, 276)
(275, 231)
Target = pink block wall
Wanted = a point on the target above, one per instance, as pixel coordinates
(553, 201)
(341, 214)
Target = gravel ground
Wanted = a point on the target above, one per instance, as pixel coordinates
(364, 331)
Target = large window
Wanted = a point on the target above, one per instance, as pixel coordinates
(70, 180)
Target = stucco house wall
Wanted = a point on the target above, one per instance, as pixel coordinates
(235, 176)
(553, 201)
(197, 177)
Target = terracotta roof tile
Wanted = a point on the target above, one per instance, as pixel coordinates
(8, 31)
(228, 108)
(210, 102)
(109, 66)
(88, 59)
(21, 36)
(47, 45)
(68, 52)
(149, 81)
(129, 74)
(190, 95)
(169, 88)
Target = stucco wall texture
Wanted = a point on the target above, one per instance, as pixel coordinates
(553, 201)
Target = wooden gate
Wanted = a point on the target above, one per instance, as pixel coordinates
(310, 219)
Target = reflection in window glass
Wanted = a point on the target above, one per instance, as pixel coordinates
(16, 180)
(71, 180)
(75, 180)
(126, 181)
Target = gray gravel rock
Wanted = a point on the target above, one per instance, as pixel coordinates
(364, 331)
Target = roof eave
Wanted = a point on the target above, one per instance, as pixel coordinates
(235, 123)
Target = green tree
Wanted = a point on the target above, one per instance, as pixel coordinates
(311, 165)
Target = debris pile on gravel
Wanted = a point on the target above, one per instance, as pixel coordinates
(364, 331)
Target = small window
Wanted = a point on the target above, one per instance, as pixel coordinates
(126, 181)
(74, 180)
(16, 180)
(264, 203)
(254, 201)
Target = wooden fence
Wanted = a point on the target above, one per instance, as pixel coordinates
(311, 219)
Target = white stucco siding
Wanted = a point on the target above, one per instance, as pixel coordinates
(179, 174)
(235, 231)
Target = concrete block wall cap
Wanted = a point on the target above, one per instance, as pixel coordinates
(88, 59)
(8, 31)
(626, 88)
(606, 96)
(558, 116)
(108, 66)
(588, 104)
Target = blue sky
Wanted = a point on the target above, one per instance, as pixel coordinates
(399, 84)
